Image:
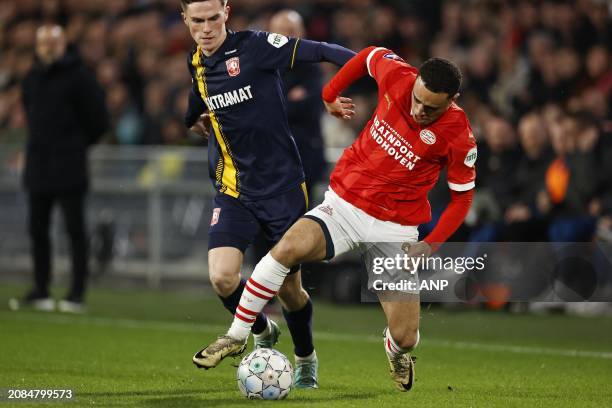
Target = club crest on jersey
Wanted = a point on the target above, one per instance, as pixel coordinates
(233, 66)
(470, 157)
(427, 136)
(393, 57)
(277, 40)
(215, 216)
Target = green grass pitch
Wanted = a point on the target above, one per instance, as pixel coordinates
(134, 349)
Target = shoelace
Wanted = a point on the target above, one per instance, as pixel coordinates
(309, 368)
(218, 345)
(401, 363)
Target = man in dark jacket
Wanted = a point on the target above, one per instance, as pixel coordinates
(66, 114)
(303, 85)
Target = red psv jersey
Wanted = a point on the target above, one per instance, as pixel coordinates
(388, 171)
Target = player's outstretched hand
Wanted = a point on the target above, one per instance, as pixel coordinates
(202, 126)
(417, 248)
(341, 108)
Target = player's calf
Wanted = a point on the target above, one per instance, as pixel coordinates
(405, 337)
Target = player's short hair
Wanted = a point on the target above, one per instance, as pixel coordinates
(185, 3)
(441, 75)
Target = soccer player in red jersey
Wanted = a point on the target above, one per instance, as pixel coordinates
(378, 193)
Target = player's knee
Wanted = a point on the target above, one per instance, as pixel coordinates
(286, 252)
(405, 337)
(223, 280)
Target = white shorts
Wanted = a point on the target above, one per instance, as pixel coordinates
(346, 227)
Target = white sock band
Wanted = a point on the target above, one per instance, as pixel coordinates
(392, 348)
(261, 287)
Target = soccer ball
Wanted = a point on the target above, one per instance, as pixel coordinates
(265, 374)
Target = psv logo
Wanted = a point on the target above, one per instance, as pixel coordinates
(233, 66)
(427, 136)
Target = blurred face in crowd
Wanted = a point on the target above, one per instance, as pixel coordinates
(288, 23)
(206, 22)
(533, 135)
(499, 134)
(50, 44)
(563, 136)
(597, 61)
(427, 106)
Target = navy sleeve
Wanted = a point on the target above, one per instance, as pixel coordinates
(273, 51)
(195, 109)
(314, 51)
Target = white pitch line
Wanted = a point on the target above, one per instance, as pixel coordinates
(461, 345)
(326, 336)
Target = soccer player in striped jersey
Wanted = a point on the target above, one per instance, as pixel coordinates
(253, 161)
(378, 194)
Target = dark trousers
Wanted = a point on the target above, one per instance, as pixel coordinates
(72, 205)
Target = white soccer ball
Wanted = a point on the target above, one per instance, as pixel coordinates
(265, 374)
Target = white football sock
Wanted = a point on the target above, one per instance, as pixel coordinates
(393, 349)
(263, 284)
(310, 357)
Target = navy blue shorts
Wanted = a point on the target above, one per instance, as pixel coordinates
(235, 223)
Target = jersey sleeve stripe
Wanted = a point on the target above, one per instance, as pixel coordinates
(294, 52)
(305, 191)
(370, 55)
(462, 187)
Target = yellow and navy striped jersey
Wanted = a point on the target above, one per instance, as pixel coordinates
(252, 154)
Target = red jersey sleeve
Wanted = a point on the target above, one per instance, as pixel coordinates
(462, 156)
(381, 62)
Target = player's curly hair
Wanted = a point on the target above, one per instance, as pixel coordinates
(185, 3)
(441, 75)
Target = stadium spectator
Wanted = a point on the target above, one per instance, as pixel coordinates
(65, 115)
(303, 86)
(496, 167)
(571, 180)
(522, 219)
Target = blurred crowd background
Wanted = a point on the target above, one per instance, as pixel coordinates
(537, 89)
